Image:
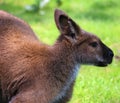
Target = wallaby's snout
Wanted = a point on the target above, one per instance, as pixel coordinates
(107, 55)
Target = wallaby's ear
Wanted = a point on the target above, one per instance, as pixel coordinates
(66, 25)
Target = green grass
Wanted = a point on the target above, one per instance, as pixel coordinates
(101, 17)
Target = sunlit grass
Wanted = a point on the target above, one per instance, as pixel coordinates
(101, 17)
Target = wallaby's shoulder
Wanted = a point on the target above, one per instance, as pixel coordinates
(11, 25)
(7, 19)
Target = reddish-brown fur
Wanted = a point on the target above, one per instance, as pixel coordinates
(33, 72)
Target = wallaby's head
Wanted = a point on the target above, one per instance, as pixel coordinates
(87, 48)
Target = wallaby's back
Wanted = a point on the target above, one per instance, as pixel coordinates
(13, 33)
(16, 37)
(11, 25)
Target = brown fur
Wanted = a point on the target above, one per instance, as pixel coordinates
(33, 72)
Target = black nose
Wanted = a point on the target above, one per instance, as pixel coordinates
(110, 54)
(107, 54)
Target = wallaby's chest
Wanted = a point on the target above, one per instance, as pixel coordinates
(69, 82)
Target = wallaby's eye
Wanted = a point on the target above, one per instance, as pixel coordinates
(94, 44)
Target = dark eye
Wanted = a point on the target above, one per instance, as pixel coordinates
(94, 44)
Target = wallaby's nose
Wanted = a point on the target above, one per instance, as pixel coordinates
(110, 54)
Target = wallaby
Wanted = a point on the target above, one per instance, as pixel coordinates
(33, 72)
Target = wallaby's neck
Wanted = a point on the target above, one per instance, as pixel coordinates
(65, 66)
(64, 52)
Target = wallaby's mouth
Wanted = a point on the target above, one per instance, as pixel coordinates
(103, 63)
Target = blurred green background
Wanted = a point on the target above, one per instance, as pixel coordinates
(101, 17)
